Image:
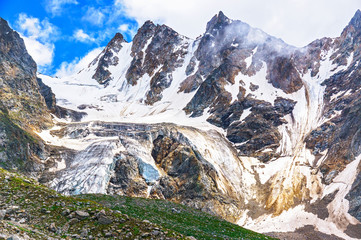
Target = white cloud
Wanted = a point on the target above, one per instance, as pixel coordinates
(67, 69)
(55, 7)
(298, 22)
(123, 27)
(33, 27)
(126, 28)
(94, 16)
(42, 53)
(38, 37)
(81, 36)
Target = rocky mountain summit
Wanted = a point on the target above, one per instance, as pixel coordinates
(20, 96)
(26, 105)
(22, 107)
(236, 122)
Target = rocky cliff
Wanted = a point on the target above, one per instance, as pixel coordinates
(26, 104)
(20, 94)
(22, 106)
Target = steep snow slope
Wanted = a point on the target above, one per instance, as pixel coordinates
(120, 101)
(256, 128)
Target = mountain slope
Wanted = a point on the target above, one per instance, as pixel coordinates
(19, 87)
(22, 106)
(260, 130)
(32, 211)
(177, 217)
(50, 215)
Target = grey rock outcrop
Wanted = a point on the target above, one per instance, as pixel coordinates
(20, 92)
(106, 59)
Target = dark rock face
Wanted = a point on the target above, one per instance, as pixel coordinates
(258, 131)
(156, 46)
(354, 196)
(215, 43)
(22, 106)
(211, 92)
(182, 165)
(352, 32)
(48, 95)
(140, 40)
(191, 83)
(106, 58)
(127, 179)
(223, 118)
(19, 150)
(190, 179)
(283, 74)
(74, 116)
(13, 47)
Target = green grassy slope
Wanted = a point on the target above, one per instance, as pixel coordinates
(177, 217)
(30, 209)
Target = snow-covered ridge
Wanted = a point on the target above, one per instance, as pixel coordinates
(120, 101)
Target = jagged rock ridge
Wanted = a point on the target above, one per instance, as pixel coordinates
(22, 107)
(26, 104)
(19, 87)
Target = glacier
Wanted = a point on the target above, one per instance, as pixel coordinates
(121, 126)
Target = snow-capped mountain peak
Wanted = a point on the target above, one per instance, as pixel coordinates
(263, 123)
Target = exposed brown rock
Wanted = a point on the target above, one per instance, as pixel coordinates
(282, 74)
(190, 179)
(191, 83)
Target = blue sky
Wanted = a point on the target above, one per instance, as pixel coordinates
(68, 29)
(64, 35)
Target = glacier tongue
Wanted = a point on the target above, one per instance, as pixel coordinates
(90, 170)
(94, 148)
